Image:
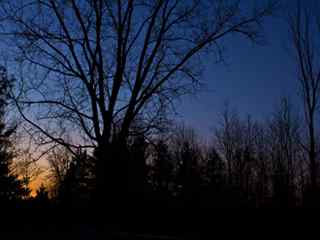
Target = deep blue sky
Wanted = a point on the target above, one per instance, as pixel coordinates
(253, 80)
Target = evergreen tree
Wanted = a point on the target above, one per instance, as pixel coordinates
(42, 197)
(78, 183)
(11, 188)
(188, 173)
(137, 169)
(162, 169)
(215, 169)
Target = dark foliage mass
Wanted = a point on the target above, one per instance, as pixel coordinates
(248, 164)
(11, 188)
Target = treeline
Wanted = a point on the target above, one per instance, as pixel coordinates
(246, 163)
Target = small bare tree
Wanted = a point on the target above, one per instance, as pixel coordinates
(59, 161)
(304, 24)
(228, 137)
(285, 152)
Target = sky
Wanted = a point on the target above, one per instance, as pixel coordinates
(252, 80)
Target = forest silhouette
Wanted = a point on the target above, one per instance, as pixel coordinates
(91, 87)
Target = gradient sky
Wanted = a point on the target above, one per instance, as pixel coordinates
(252, 81)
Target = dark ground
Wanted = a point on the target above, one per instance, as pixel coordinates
(159, 225)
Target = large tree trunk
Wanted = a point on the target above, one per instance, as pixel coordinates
(111, 175)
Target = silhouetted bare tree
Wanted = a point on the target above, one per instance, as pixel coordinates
(228, 138)
(100, 65)
(263, 166)
(59, 160)
(188, 156)
(305, 32)
(285, 153)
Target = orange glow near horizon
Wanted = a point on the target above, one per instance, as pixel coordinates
(34, 186)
